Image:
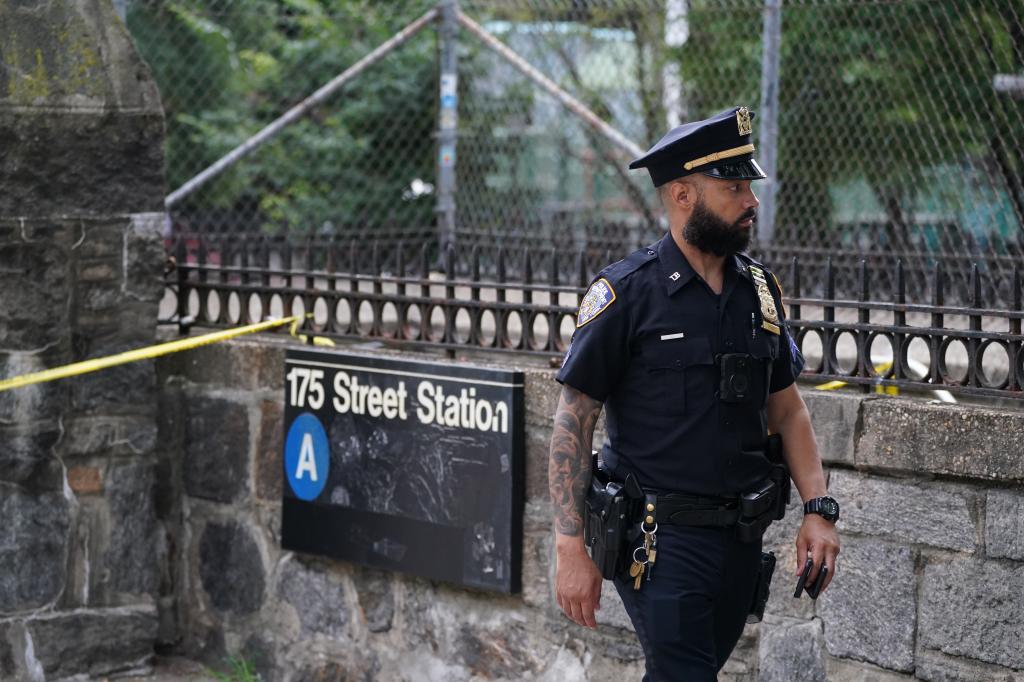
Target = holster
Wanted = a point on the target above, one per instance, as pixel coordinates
(762, 589)
(610, 507)
(768, 503)
(779, 474)
(757, 511)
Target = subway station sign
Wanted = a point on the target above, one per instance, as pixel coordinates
(407, 466)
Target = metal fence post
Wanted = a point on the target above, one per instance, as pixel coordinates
(447, 125)
(677, 32)
(769, 114)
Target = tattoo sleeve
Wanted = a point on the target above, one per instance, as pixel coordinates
(569, 460)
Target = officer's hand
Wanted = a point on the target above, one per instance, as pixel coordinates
(577, 581)
(817, 540)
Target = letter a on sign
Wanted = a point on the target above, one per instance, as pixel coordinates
(307, 457)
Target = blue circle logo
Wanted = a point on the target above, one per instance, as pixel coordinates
(306, 457)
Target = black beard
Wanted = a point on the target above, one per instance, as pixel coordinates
(711, 234)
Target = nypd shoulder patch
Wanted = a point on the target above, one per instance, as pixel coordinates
(599, 297)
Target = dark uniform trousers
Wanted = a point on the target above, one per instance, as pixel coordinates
(691, 613)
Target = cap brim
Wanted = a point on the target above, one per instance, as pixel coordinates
(737, 170)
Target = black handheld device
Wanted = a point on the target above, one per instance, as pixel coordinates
(814, 590)
(802, 580)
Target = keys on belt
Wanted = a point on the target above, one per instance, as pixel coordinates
(646, 554)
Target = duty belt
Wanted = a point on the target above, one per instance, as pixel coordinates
(750, 513)
(677, 509)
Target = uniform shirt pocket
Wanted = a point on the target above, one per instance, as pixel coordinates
(668, 365)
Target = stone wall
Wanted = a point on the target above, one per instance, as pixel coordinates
(931, 571)
(930, 575)
(81, 133)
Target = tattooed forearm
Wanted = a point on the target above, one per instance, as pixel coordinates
(569, 460)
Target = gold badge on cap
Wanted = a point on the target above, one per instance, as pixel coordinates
(743, 121)
(769, 315)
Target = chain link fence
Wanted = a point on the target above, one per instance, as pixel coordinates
(356, 165)
(895, 143)
(899, 124)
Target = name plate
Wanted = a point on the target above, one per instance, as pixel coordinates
(405, 465)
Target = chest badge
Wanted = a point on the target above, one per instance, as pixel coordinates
(599, 297)
(769, 314)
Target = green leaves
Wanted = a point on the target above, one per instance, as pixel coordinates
(227, 68)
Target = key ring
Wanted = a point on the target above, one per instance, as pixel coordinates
(646, 559)
(648, 532)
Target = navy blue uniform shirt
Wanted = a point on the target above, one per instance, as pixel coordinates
(648, 347)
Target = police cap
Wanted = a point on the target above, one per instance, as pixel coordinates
(719, 146)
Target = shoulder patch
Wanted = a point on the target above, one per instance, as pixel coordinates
(599, 297)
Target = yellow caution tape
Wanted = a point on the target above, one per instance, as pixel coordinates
(317, 340)
(149, 352)
(880, 389)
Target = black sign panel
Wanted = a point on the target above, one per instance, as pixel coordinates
(408, 466)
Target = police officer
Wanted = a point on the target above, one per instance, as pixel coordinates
(684, 343)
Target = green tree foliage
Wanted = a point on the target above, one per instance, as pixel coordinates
(893, 97)
(882, 93)
(227, 68)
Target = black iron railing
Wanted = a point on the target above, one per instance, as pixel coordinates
(401, 296)
(603, 241)
(524, 301)
(969, 349)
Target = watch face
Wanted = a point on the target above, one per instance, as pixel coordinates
(826, 506)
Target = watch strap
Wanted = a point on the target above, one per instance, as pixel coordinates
(825, 506)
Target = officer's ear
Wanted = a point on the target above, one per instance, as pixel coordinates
(682, 193)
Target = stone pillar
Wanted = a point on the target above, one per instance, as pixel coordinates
(81, 172)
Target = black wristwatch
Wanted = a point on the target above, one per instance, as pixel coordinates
(827, 507)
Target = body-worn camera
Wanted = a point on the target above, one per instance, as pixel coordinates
(736, 372)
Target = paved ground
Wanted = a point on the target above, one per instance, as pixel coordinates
(172, 670)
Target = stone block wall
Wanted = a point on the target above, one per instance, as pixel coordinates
(299, 617)
(930, 574)
(928, 588)
(80, 543)
(81, 172)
